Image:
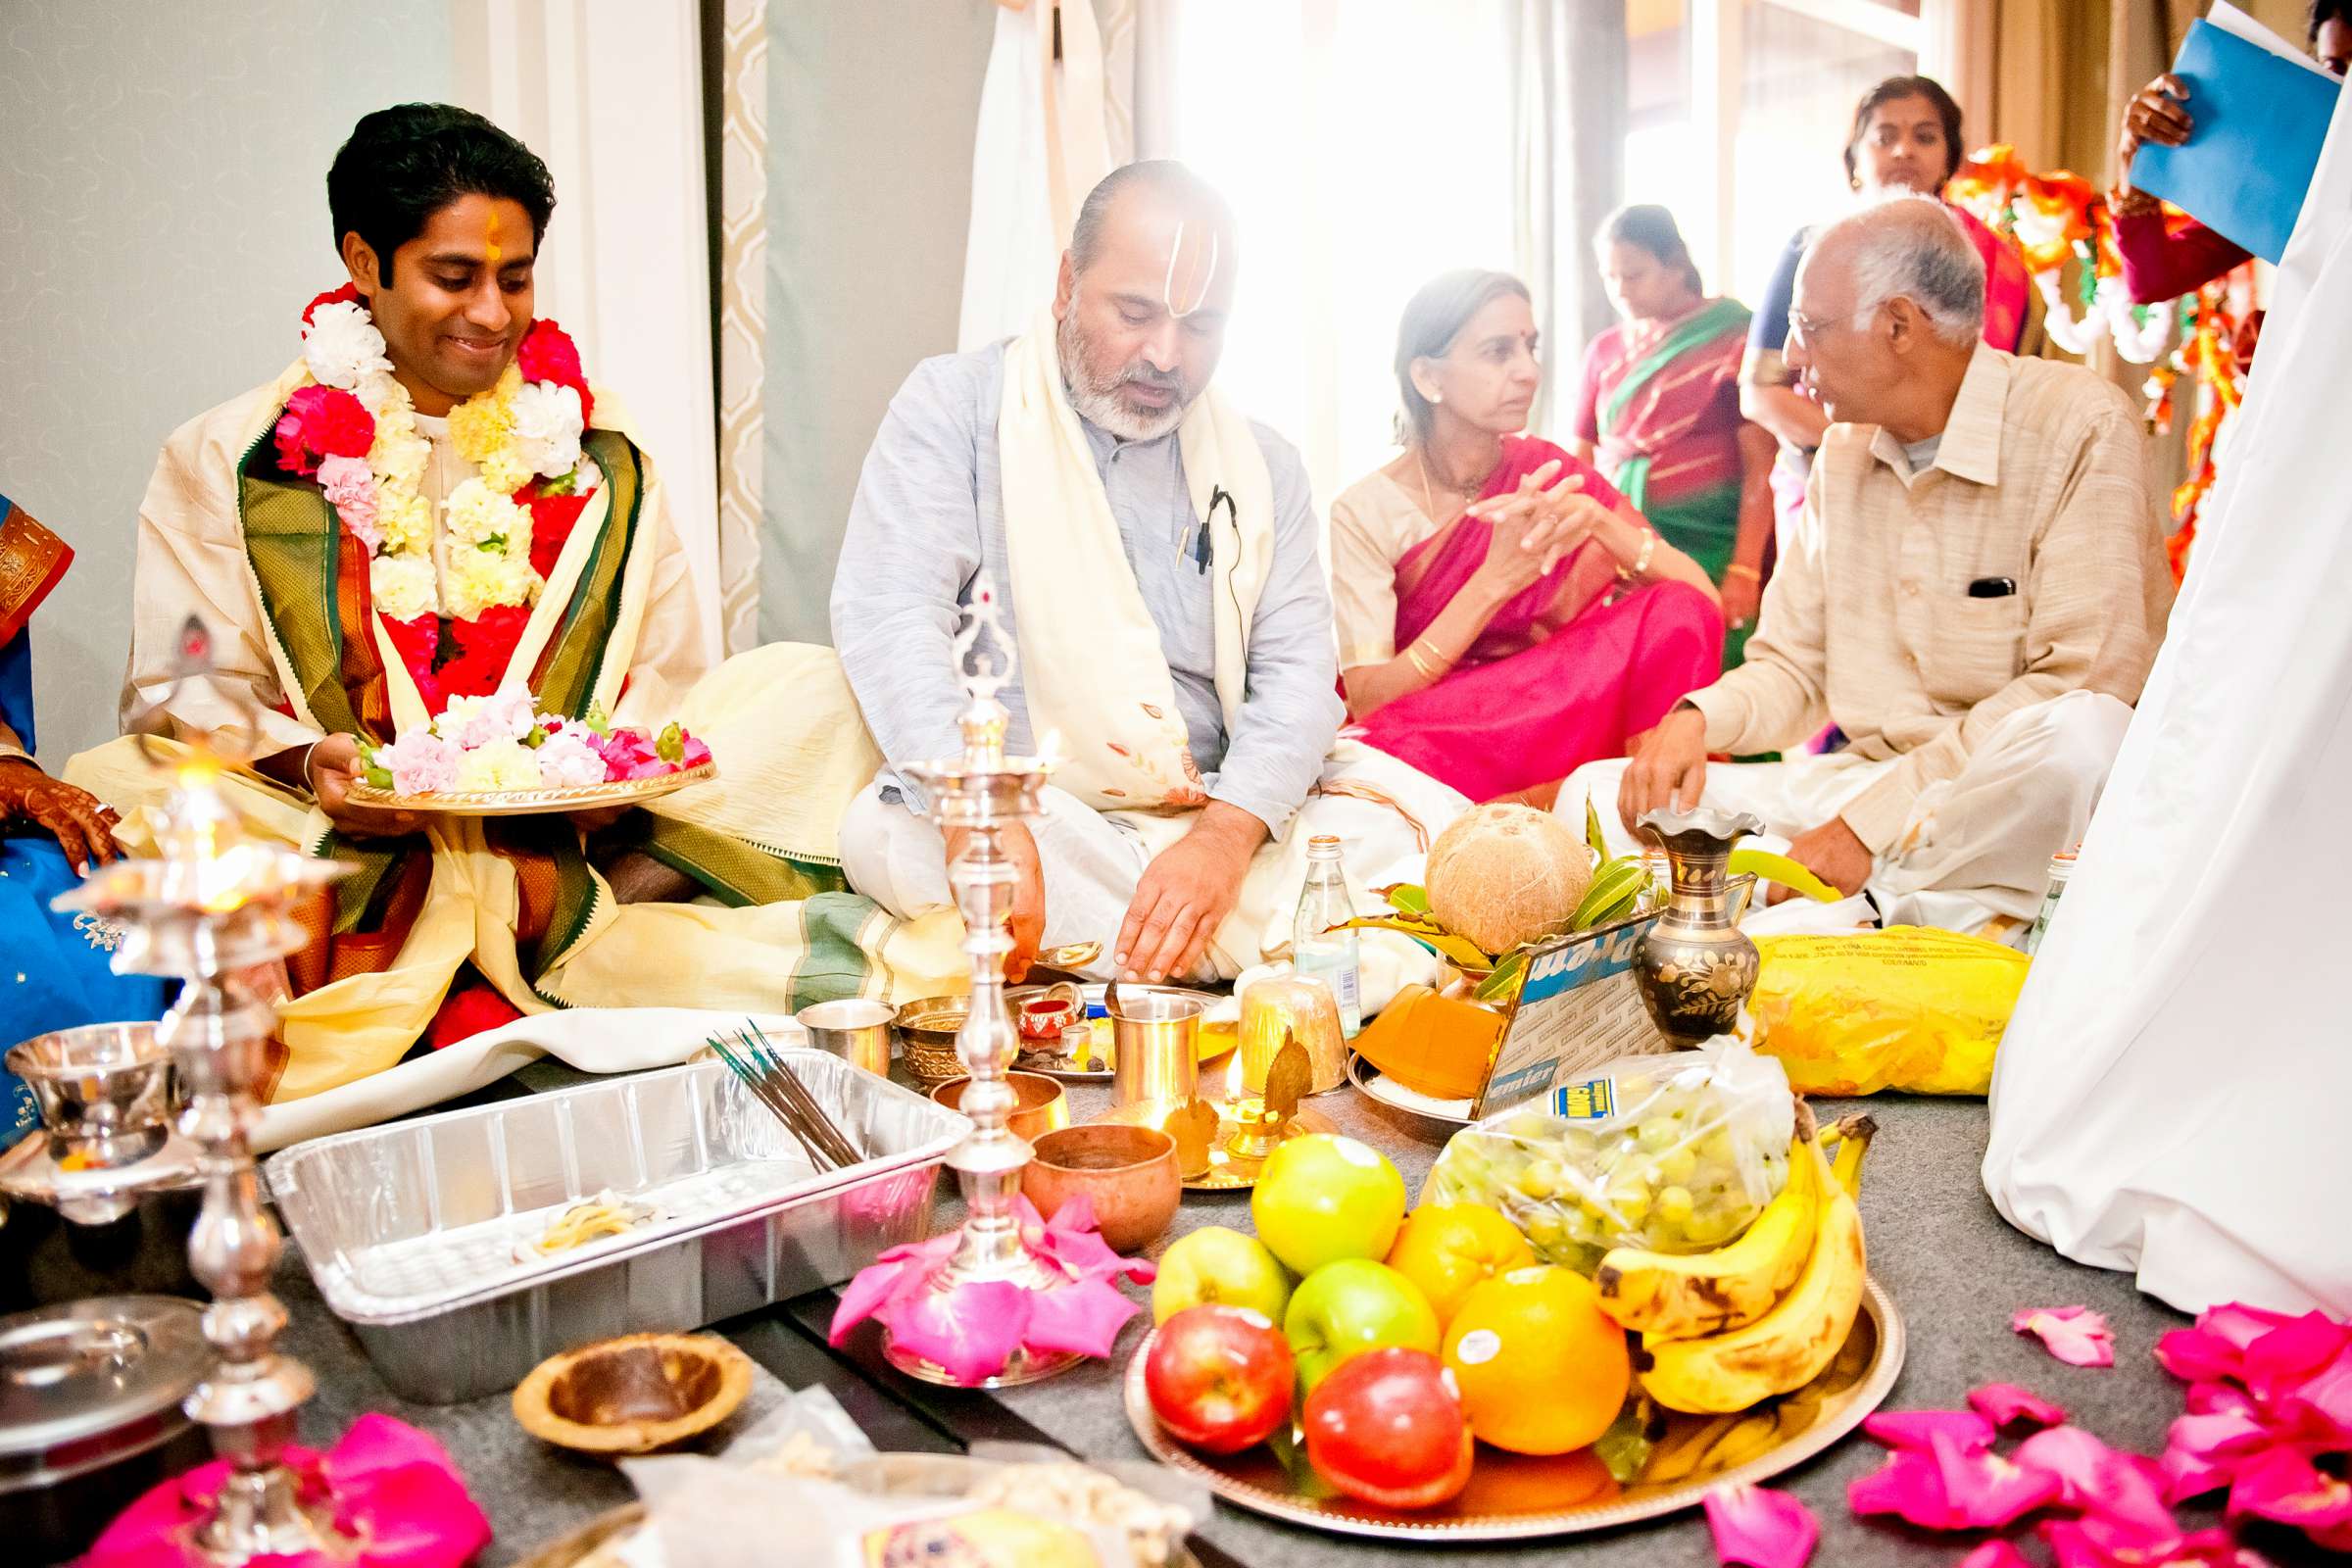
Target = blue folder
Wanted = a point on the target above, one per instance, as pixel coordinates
(2260, 121)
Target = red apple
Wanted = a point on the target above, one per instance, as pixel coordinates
(1219, 1377)
(1388, 1426)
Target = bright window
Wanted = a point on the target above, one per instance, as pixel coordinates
(1365, 146)
(1738, 113)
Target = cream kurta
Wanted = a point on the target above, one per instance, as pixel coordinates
(191, 559)
(785, 776)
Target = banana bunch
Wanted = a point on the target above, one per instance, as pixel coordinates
(1763, 1315)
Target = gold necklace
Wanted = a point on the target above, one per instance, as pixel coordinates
(1429, 499)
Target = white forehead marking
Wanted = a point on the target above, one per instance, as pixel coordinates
(1167, 287)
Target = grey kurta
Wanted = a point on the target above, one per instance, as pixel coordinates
(929, 516)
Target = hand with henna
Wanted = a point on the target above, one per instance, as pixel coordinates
(83, 826)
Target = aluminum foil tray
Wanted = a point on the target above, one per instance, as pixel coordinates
(420, 1233)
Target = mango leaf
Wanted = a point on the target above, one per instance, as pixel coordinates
(1459, 950)
(1592, 834)
(1771, 868)
(1504, 980)
(1407, 899)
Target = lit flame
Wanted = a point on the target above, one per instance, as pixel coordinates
(1235, 1082)
(1050, 753)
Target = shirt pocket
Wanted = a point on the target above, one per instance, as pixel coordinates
(1975, 647)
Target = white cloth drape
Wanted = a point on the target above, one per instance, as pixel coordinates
(615, 111)
(2171, 1094)
(1044, 140)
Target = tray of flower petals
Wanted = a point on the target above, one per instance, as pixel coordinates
(496, 756)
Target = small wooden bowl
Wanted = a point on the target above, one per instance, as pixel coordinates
(639, 1394)
(1129, 1172)
(1041, 1106)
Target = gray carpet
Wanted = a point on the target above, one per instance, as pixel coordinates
(1954, 1268)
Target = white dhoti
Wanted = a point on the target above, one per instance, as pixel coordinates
(1976, 846)
(1383, 813)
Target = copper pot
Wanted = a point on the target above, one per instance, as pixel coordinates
(1129, 1172)
(1039, 1104)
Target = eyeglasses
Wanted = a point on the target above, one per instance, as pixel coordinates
(1807, 329)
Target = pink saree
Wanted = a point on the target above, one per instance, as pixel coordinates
(1562, 675)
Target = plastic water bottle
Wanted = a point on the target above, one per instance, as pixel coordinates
(1316, 949)
(2062, 866)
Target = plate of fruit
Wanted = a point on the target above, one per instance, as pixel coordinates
(1426, 1376)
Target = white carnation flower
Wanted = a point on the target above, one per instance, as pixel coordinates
(342, 346)
(566, 759)
(546, 427)
(403, 586)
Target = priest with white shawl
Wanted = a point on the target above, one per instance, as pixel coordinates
(1154, 555)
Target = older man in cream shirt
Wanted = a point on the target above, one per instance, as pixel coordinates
(1974, 596)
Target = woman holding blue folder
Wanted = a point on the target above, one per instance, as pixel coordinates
(2161, 263)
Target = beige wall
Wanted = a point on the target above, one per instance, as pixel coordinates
(163, 221)
(871, 109)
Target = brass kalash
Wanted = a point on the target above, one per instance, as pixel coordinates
(211, 908)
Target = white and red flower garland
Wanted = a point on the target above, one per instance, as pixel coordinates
(353, 429)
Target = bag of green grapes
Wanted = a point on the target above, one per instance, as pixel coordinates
(1673, 1152)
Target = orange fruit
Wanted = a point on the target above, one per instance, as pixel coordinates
(1542, 1368)
(1446, 1249)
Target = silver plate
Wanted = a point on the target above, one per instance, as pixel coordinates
(1376, 1085)
(1854, 1384)
(412, 1230)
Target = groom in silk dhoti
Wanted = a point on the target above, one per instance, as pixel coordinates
(433, 505)
(1153, 559)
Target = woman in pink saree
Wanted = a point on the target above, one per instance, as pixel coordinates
(1504, 615)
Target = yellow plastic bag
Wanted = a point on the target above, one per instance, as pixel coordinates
(1906, 1009)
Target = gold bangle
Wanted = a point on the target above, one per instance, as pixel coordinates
(1413, 656)
(1649, 547)
(1740, 569)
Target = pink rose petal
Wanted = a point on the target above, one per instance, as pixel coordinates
(2074, 1335)
(2326, 1401)
(1950, 1488)
(2289, 1355)
(1083, 1316)
(1984, 1491)
(2204, 1453)
(1996, 1553)
(2198, 1357)
(2286, 1486)
(2097, 1480)
(971, 1331)
(1759, 1527)
(2005, 1404)
(1914, 1429)
(2240, 1325)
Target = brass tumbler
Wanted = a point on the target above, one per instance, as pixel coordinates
(1154, 1042)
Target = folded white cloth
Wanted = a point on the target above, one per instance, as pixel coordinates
(591, 1039)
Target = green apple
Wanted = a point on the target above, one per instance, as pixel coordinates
(1217, 1265)
(1350, 1307)
(1322, 1198)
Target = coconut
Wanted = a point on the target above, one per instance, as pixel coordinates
(1506, 875)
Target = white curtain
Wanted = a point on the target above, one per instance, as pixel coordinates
(1365, 147)
(1044, 140)
(1568, 108)
(615, 110)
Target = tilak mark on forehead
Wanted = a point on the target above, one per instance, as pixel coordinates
(1169, 287)
(490, 238)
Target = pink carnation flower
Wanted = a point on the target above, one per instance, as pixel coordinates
(421, 762)
(350, 487)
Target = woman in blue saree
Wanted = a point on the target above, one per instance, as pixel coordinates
(55, 972)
